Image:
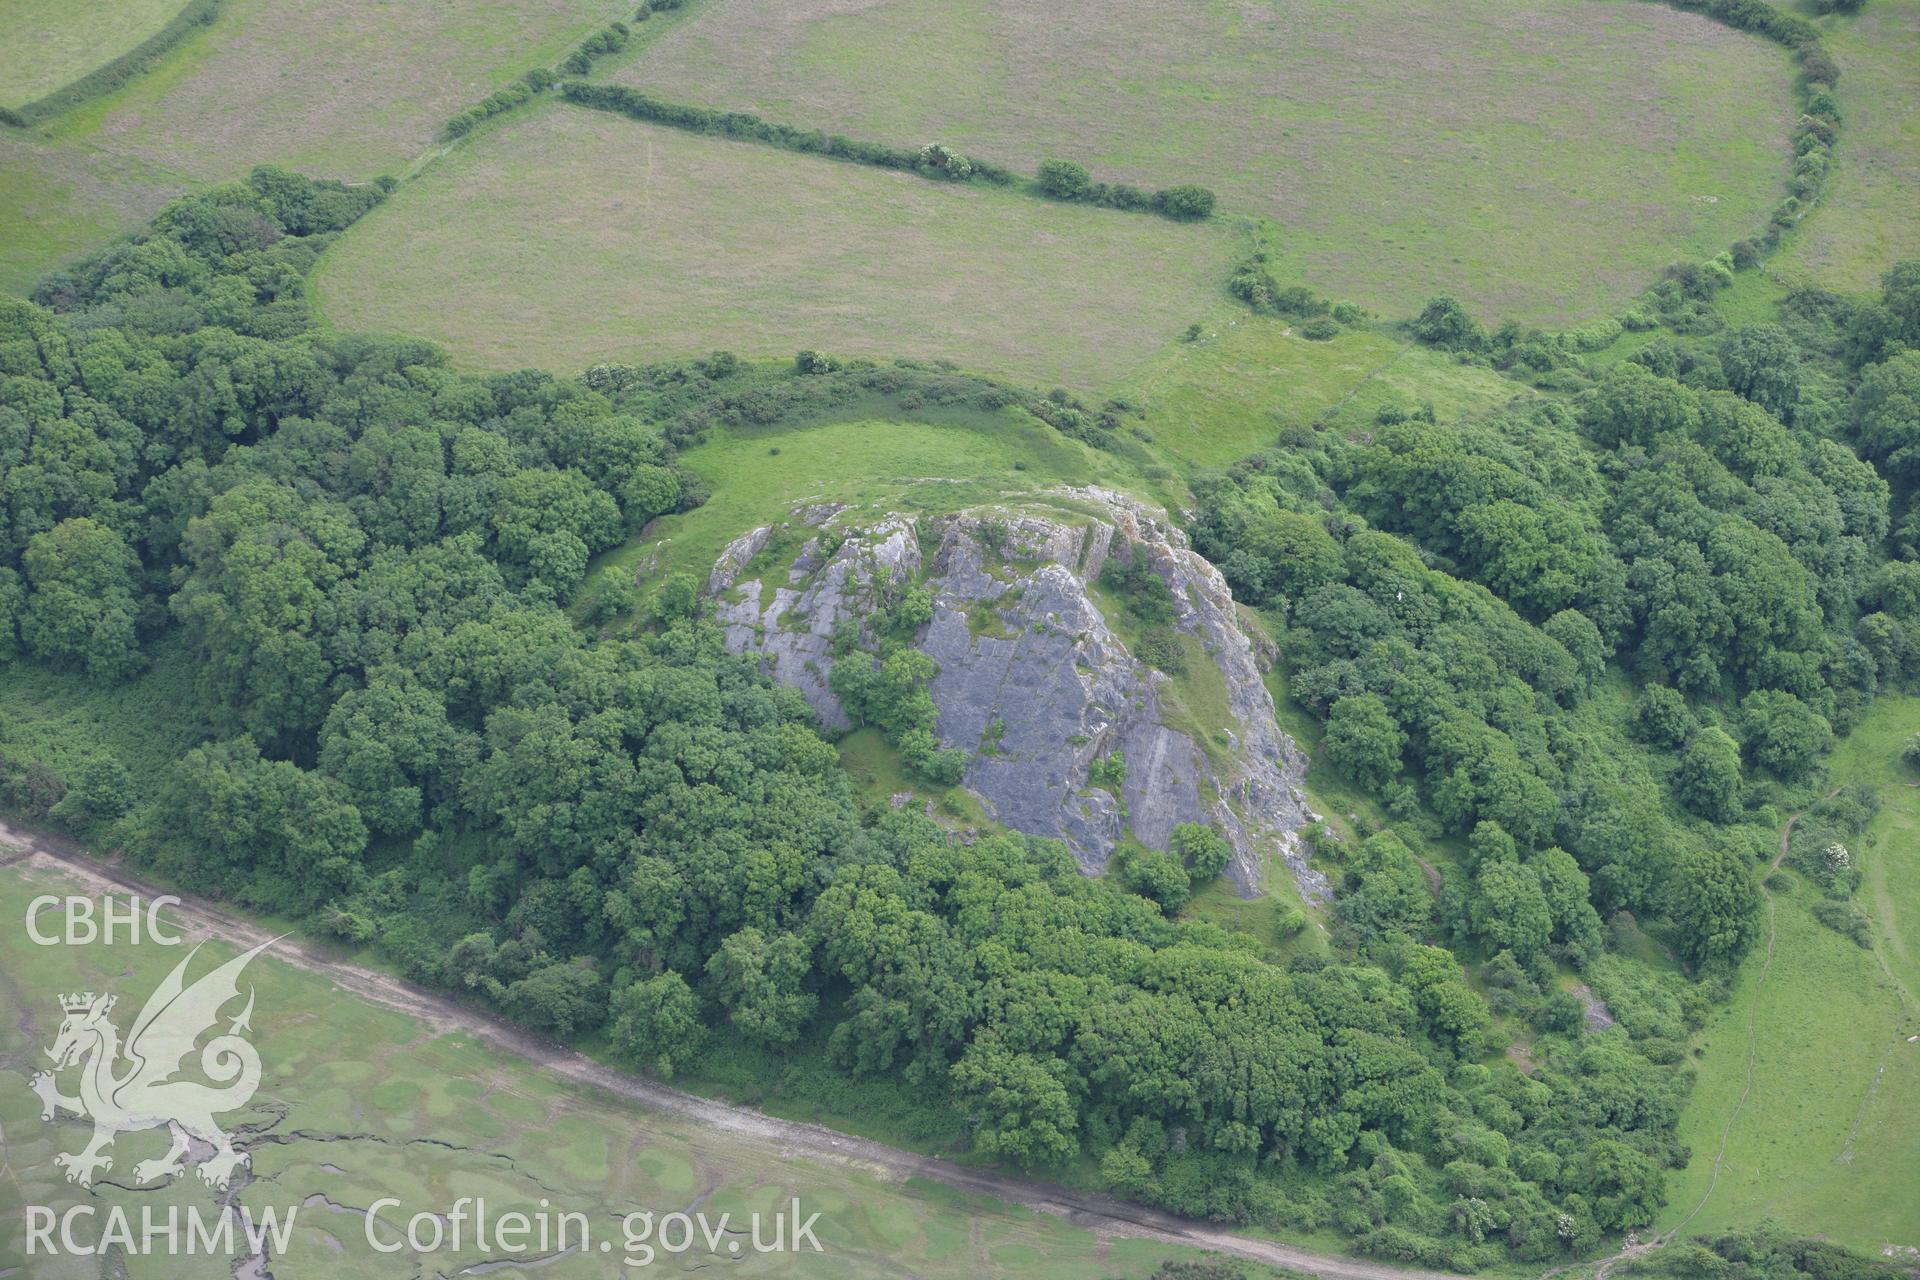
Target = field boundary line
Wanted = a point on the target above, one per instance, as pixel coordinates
(115, 72)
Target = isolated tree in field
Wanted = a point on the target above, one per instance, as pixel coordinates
(656, 1023)
(1065, 180)
(1444, 322)
(1715, 905)
(80, 605)
(1708, 779)
(1911, 752)
(1363, 740)
(1763, 365)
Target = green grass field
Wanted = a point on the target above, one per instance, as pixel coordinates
(1870, 216)
(567, 237)
(358, 1102)
(1542, 161)
(1824, 1142)
(50, 45)
(57, 202)
(760, 476)
(1219, 398)
(335, 88)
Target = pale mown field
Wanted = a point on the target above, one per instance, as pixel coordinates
(1541, 160)
(566, 237)
(335, 88)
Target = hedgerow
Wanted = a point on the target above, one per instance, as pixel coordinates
(932, 161)
(110, 76)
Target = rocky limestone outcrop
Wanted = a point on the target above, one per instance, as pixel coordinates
(1031, 676)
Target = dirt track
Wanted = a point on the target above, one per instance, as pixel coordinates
(1100, 1214)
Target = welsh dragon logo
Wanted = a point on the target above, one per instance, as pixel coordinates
(133, 1086)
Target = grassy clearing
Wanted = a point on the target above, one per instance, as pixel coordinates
(387, 1106)
(57, 202)
(1869, 217)
(569, 236)
(1217, 399)
(335, 88)
(1824, 1142)
(1541, 161)
(52, 45)
(941, 465)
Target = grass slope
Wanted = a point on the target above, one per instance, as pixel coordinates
(1214, 400)
(373, 1103)
(57, 202)
(567, 237)
(1870, 216)
(1541, 160)
(1824, 1142)
(335, 88)
(760, 476)
(50, 45)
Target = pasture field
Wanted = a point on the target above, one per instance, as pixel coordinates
(346, 89)
(1214, 400)
(568, 236)
(49, 46)
(1541, 161)
(1869, 217)
(359, 1102)
(1824, 1142)
(57, 202)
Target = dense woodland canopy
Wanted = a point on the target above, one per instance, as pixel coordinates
(369, 559)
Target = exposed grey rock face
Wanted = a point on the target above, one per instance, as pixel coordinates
(793, 629)
(1032, 679)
